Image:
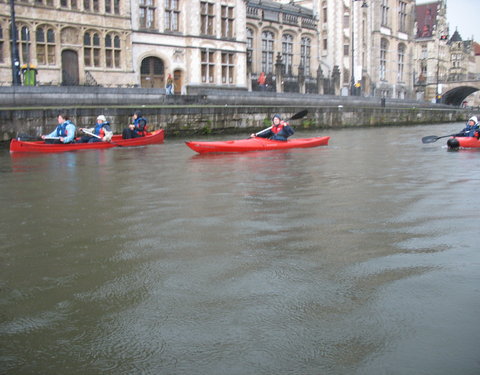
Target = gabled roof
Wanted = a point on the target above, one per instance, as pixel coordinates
(456, 37)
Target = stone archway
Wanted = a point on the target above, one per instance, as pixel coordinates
(152, 73)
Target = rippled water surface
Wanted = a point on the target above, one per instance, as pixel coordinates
(361, 257)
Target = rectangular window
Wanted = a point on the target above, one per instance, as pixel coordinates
(45, 46)
(208, 66)
(147, 14)
(1, 45)
(384, 12)
(287, 53)
(227, 21)
(383, 60)
(207, 14)
(402, 16)
(401, 57)
(267, 52)
(227, 68)
(424, 51)
(325, 44)
(346, 49)
(172, 15)
(108, 6)
(305, 55)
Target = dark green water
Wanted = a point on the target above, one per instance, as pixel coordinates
(361, 257)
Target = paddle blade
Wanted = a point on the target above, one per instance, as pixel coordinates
(430, 139)
(299, 114)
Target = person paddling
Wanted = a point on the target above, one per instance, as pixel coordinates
(136, 129)
(279, 131)
(63, 133)
(101, 131)
(471, 129)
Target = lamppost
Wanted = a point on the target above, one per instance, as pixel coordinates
(352, 83)
(15, 59)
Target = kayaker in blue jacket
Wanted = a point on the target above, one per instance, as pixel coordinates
(472, 128)
(63, 133)
(279, 131)
(138, 128)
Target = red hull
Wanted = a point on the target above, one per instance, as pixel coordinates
(255, 144)
(468, 142)
(117, 141)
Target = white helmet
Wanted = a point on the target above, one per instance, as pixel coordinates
(474, 119)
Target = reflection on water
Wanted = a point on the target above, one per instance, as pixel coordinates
(359, 257)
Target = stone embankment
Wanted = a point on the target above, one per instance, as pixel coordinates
(33, 110)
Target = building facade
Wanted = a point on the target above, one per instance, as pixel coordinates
(200, 43)
(69, 41)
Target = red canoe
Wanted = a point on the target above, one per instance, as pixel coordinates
(465, 142)
(256, 144)
(117, 141)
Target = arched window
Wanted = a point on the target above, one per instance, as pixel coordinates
(287, 53)
(113, 51)
(383, 59)
(23, 43)
(45, 38)
(267, 52)
(305, 47)
(401, 62)
(91, 49)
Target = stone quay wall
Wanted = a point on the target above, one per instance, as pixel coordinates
(33, 110)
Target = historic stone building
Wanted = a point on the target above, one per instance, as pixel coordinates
(69, 42)
(128, 43)
(431, 59)
(370, 42)
(282, 43)
(200, 43)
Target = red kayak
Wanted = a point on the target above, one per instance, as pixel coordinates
(256, 144)
(465, 142)
(117, 141)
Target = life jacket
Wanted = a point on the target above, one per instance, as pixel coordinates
(140, 126)
(62, 129)
(100, 129)
(277, 129)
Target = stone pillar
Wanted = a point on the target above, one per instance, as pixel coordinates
(301, 79)
(279, 73)
(249, 70)
(336, 80)
(320, 81)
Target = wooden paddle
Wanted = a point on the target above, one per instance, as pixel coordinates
(296, 116)
(434, 138)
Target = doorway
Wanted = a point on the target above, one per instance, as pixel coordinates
(152, 73)
(177, 82)
(69, 68)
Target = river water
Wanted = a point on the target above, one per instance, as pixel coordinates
(361, 257)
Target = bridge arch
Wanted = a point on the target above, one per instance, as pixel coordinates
(455, 96)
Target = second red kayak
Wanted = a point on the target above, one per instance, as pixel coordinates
(255, 144)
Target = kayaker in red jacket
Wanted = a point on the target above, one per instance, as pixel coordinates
(279, 131)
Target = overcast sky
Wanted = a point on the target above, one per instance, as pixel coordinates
(461, 16)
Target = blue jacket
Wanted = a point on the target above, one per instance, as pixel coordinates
(65, 130)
